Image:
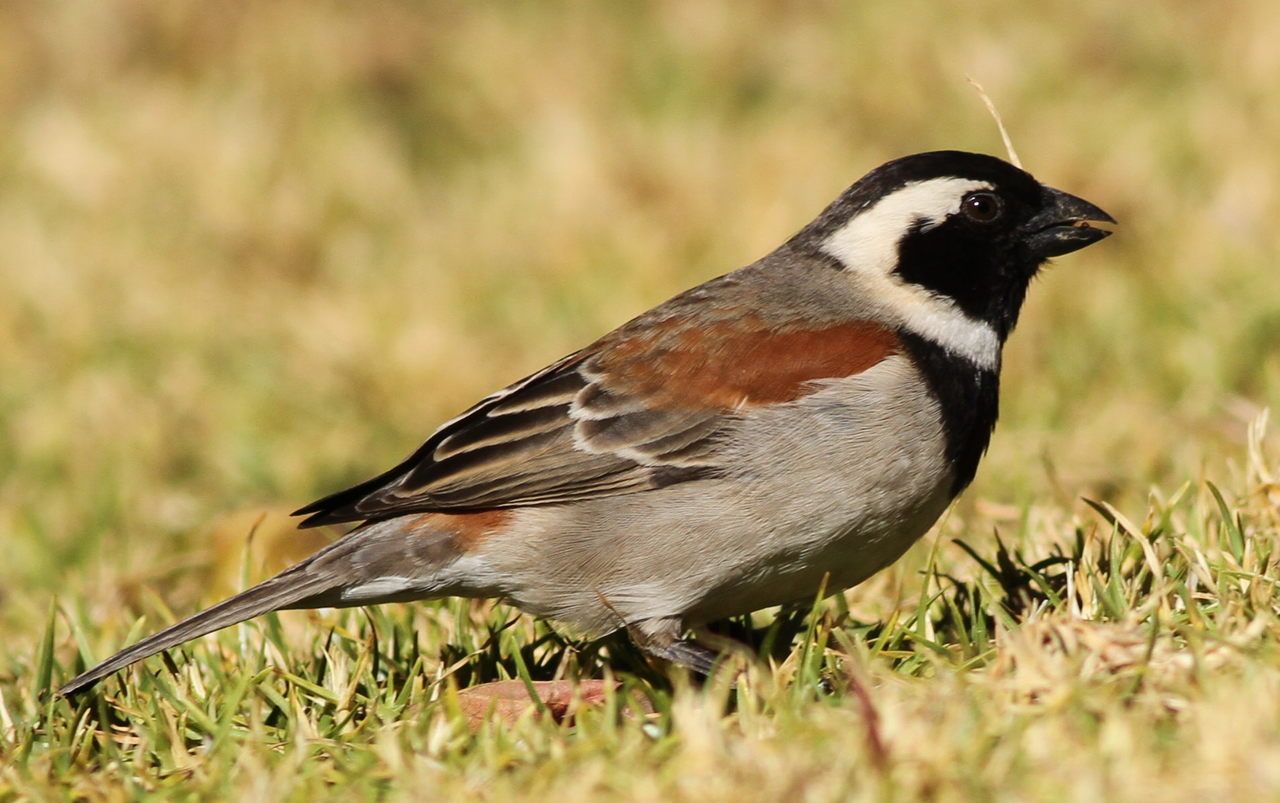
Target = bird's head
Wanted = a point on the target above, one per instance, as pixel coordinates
(947, 235)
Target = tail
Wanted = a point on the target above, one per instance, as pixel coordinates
(298, 586)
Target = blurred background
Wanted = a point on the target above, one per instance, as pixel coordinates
(251, 252)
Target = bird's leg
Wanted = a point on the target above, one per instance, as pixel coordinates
(662, 638)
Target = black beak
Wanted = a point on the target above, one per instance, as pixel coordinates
(1062, 225)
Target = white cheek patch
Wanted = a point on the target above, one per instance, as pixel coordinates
(867, 246)
(869, 241)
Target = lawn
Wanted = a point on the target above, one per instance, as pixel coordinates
(251, 252)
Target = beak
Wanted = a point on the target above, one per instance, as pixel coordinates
(1062, 225)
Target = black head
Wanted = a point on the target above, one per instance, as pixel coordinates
(969, 228)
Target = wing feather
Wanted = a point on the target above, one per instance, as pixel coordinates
(642, 408)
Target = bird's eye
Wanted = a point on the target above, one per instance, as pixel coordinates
(982, 207)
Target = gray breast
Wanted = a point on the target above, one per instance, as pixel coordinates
(838, 483)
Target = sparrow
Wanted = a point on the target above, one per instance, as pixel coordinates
(792, 426)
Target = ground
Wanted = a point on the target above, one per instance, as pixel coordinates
(255, 251)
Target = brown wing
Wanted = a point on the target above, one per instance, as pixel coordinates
(640, 409)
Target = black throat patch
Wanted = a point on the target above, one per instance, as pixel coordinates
(969, 399)
(983, 281)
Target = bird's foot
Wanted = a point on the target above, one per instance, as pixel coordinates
(663, 638)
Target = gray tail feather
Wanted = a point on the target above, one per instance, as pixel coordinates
(299, 586)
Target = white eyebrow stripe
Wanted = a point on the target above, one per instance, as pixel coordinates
(869, 240)
(867, 247)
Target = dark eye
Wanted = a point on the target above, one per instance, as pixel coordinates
(982, 207)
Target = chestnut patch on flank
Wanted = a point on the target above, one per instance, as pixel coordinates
(465, 529)
(731, 364)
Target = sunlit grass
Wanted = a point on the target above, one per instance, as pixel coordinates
(251, 253)
(1081, 634)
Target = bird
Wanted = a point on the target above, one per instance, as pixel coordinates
(787, 428)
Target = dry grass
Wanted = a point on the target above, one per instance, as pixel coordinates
(252, 251)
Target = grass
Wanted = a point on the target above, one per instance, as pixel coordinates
(253, 252)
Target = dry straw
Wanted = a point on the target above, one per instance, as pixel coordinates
(995, 115)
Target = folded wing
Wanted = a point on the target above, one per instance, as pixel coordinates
(642, 408)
